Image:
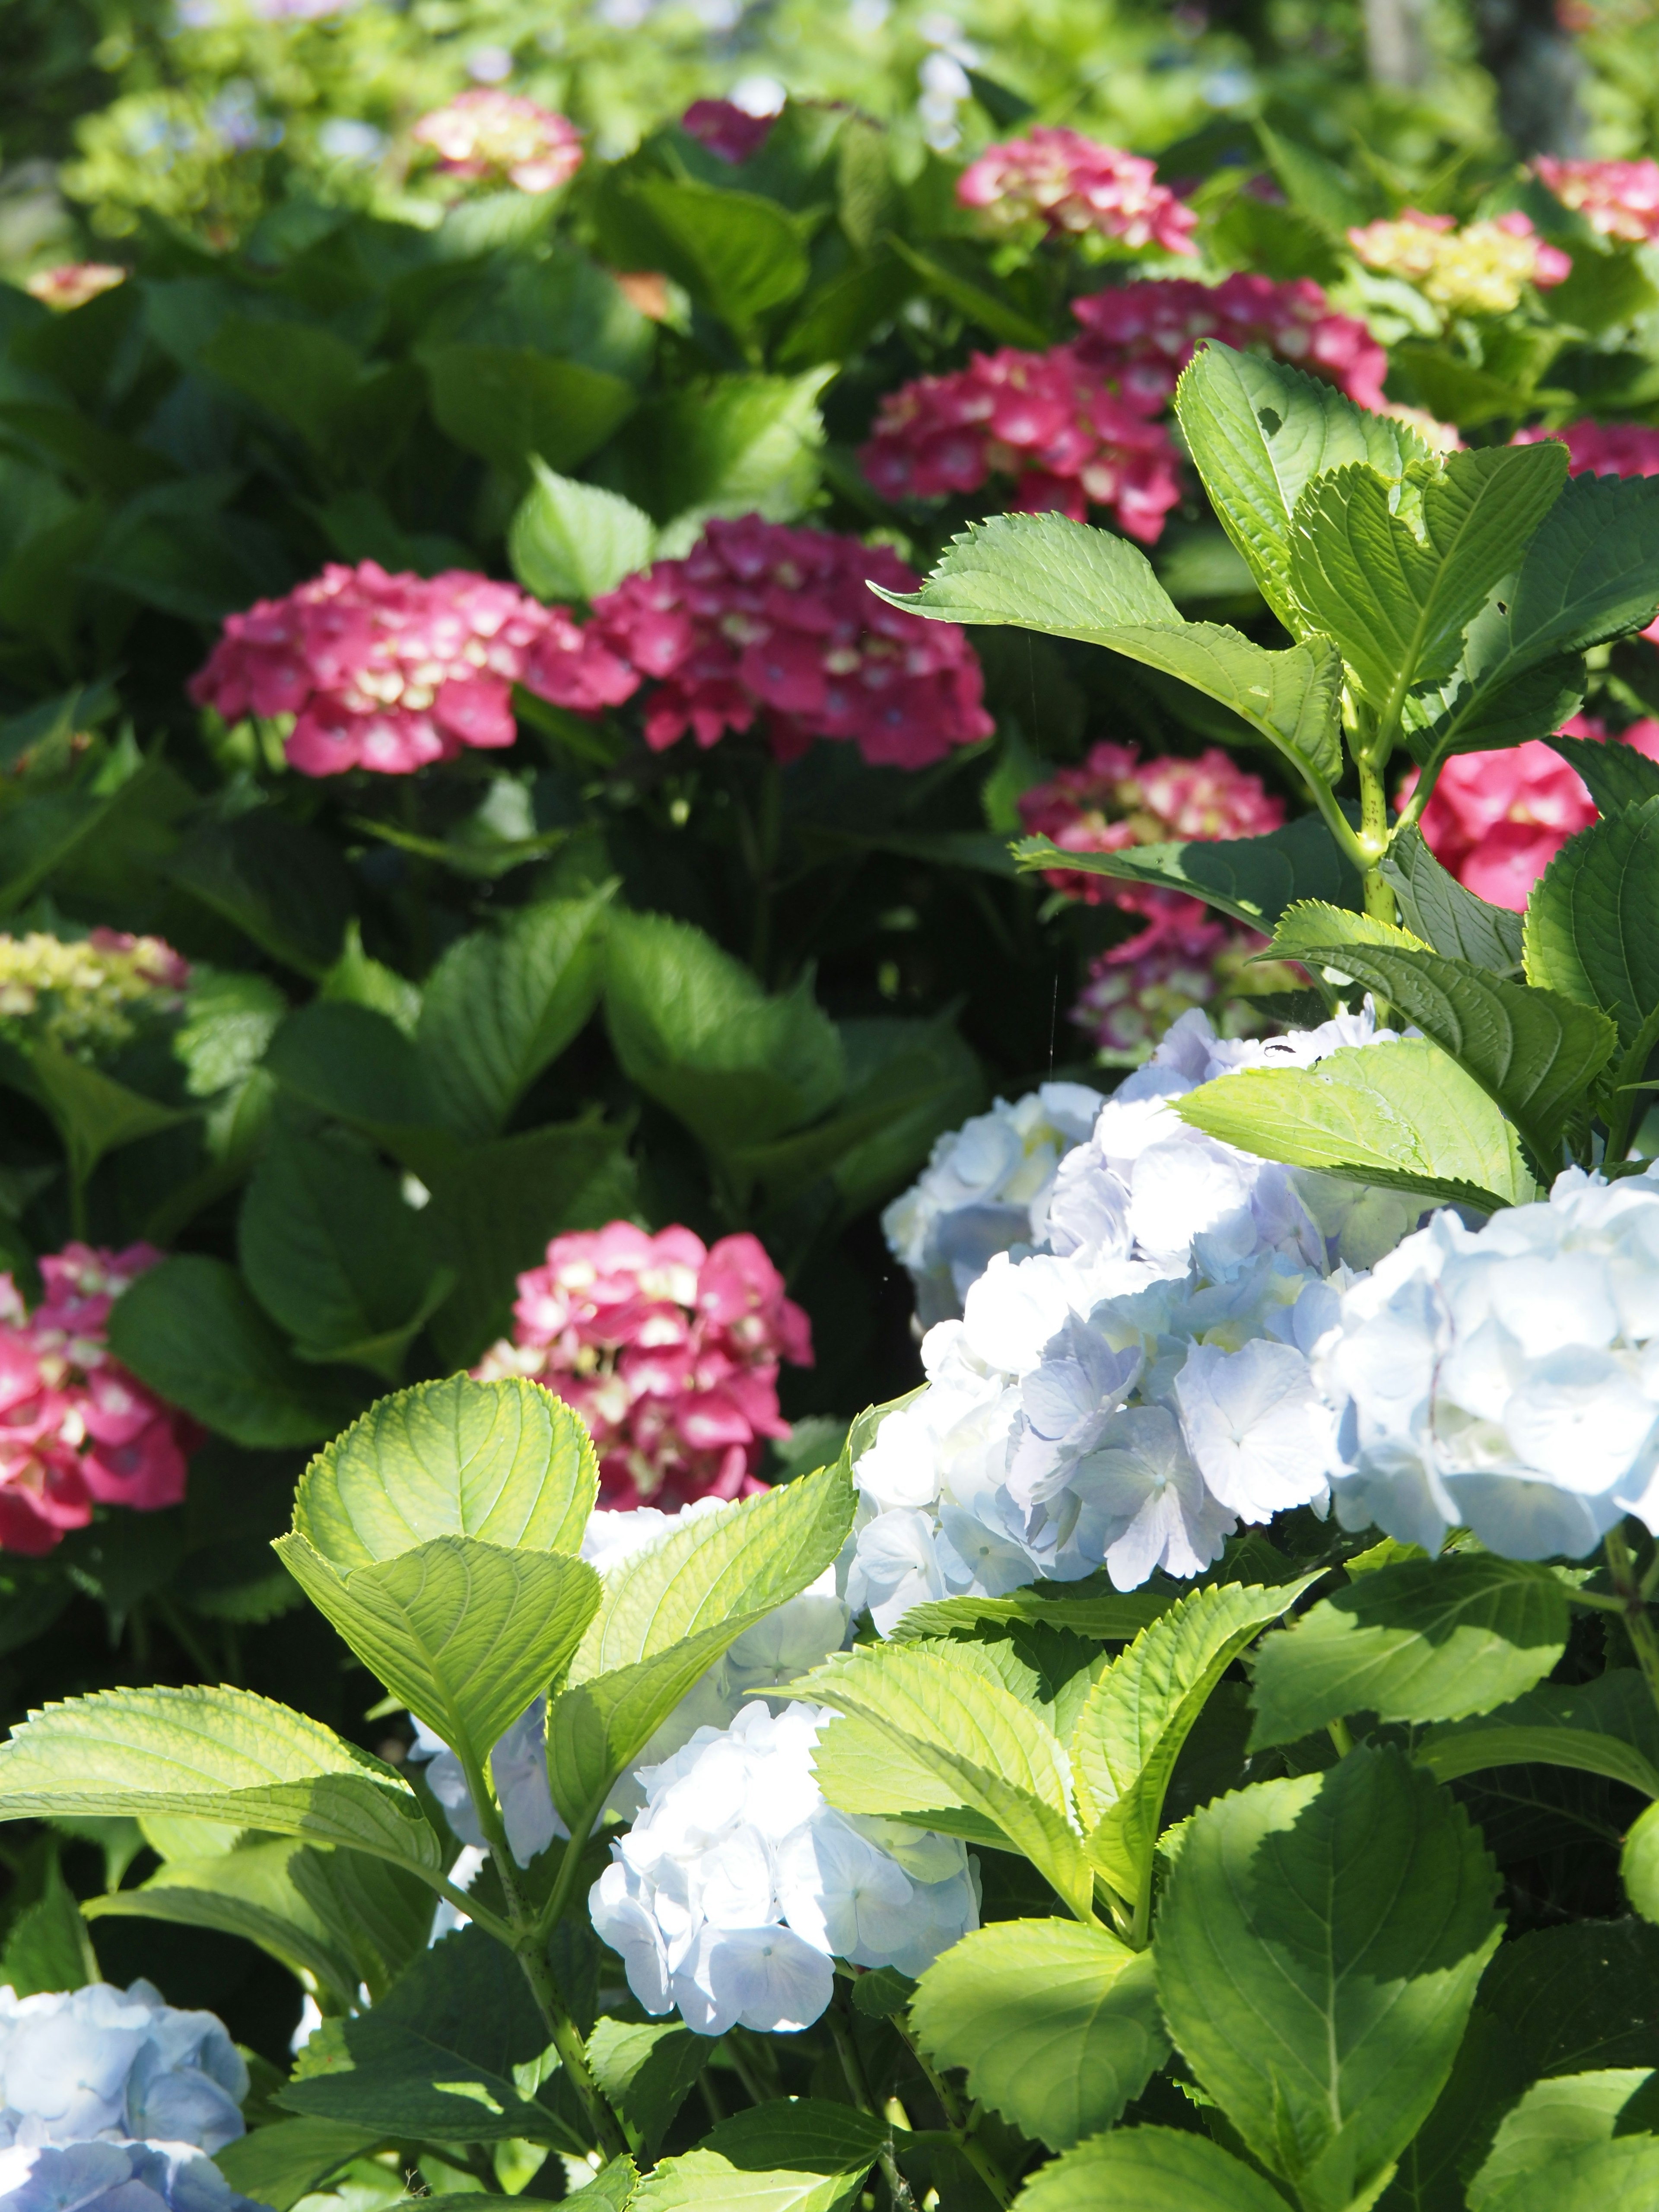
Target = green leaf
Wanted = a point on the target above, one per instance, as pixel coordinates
(862, 1768)
(736, 254)
(228, 1019)
(332, 1252)
(1057, 2024)
(514, 406)
(1639, 1863)
(1403, 1115)
(1437, 907)
(703, 2181)
(94, 1114)
(1423, 1640)
(280, 2164)
(218, 1756)
(1556, 2118)
(1113, 1618)
(1044, 573)
(505, 1461)
(1318, 1951)
(1141, 1712)
(1589, 2178)
(1148, 2170)
(1617, 775)
(803, 2154)
(1579, 1996)
(191, 1330)
(573, 541)
(976, 296)
(1396, 602)
(435, 2057)
(1485, 2078)
(47, 1946)
(1592, 921)
(739, 445)
(284, 886)
(502, 1004)
(647, 2070)
(693, 1027)
(464, 1633)
(303, 374)
(1253, 879)
(1606, 1726)
(346, 1060)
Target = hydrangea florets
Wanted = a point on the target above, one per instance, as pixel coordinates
(1051, 422)
(1143, 335)
(738, 1886)
(391, 672)
(668, 1349)
(87, 996)
(1137, 991)
(762, 620)
(115, 2177)
(503, 137)
(1077, 186)
(1481, 269)
(1116, 799)
(979, 1191)
(118, 2065)
(1497, 820)
(72, 283)
(1130, 1396)
(75, 1429)
(1504, 1378)
(730, 133)
(1603, 449)
(1619, 198)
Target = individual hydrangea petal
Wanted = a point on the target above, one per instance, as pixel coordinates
(1258, 1429)
(1144, 1503)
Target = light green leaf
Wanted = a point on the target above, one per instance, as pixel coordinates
(1113, 1617)
(1617, 775)
(1606, 1726)
(1557, 2117)
(280, 2164)
(462, 1632)
(1253, 879)
(1259, 431)
(1148, 2170)
(1141, 1711)
(647, 2070)
(1043, 572)
(502, 1004)
(505, 1461)
(1057, 2024)
(703, 2181)
(1318, 1951)
(1592, 928)
(861, 1768)
(1403, 1115)
(572, 541)
(1396, 602)
(1488, 2075)
(512, 405)
(47, 1946)
(810, 2133)
(1639, 1863)
(1437, 907)
(217, 1755)
(1588, 2178)
(736, 254)
(735, 445)
(1423, 1640)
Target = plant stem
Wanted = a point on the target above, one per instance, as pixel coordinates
(858, 2081)
(959, 2121)
(1374, 837)
(1341, 1735)
(1636, 1618)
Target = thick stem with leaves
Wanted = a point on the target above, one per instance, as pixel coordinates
(1374, 836)
(958, 2119)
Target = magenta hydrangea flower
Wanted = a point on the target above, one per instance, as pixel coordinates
(1136, 992)
(503, 138)
(1074, 185)
(669, 1350)
(391, 672)
(1603, 449)
(1056, 427)
(761, 621)
(1143, 335)
(729, 132)
(1116, 799)
(75, 1428)
(1619, 198)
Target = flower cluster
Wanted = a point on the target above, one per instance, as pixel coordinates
(390, 672)
(1116, 799)
(1130, 1396)
(88, 996)
(1603, 449)
(737, 1886)
(729, 133)
(1503, 1378)
(116, 2066)
(1051, 422)
(760, 619)
(668, 1348)
(1075, 186)
(980, 1190)
(72, 283)
(1143, 335)
(1137, 991)
(1497, 820)
(1482, 269)
(75, 1429)
(1619, 198)
(504, 139)
(115, 2177)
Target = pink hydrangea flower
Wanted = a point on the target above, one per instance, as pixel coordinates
(1117, 799)
(75, 1429)
(391, 672)
(1603, 449)
(759, 620)
(729, 133)
(1135, 991)
(1073, 184)
(1143, 335)
(668, 1348)
(1055, 426)
(1497, 820)
(1619, 198)
(72, 283)
(503, 138)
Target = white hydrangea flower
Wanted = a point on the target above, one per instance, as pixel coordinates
(115, 2177)
(738, 1886)
(118, 2065)
(1504, 1378)
(979, 1191)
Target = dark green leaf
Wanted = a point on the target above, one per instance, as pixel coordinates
(285, 887)
(512, 405)
(1579, 1996)
(1592, 930)
(647, 2070)
(278, 2165)
(1253, 880)
(47, 1946)
(1437, 907)
(1617, 775)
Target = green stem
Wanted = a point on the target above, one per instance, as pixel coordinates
(858, 2083)
(1637, 1620)
(959, 2121)
(1341, 1735)
(1374, 837)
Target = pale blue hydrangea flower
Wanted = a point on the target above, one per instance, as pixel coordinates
(119, 2064)
(114, 2177)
